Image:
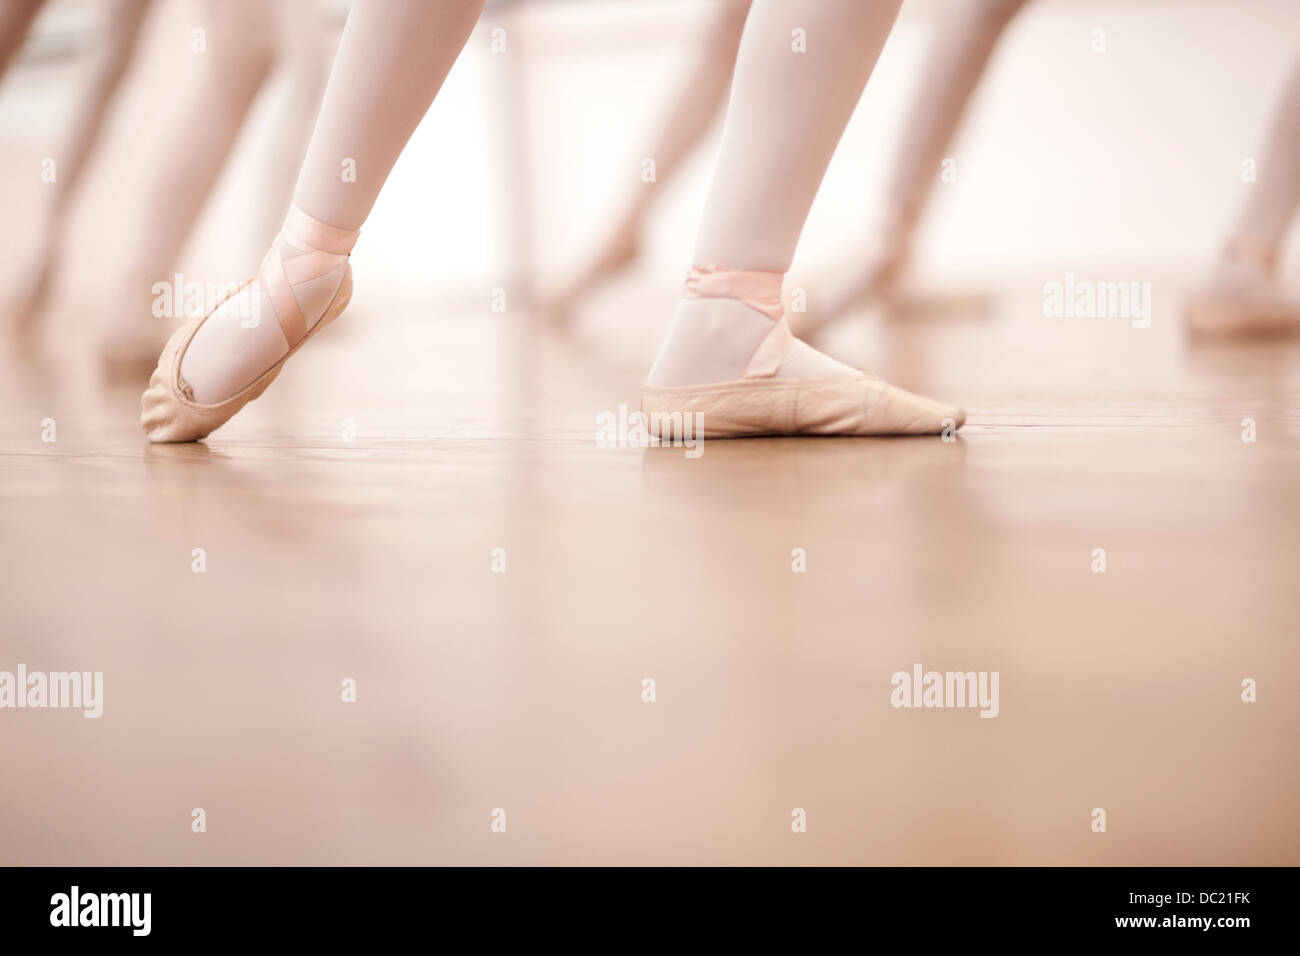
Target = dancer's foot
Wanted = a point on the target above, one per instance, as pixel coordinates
(876, 281)
(1243, 298)
(732, 364)
(129, 342)
(214, 366)
(618, 251)
(29, 308)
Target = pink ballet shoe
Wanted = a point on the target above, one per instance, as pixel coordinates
(1244, 318)
(761, 404)
(129, 347)
(1243, 299)
(168, 410)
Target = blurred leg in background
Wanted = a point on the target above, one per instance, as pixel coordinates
(16, 18)
(186, 150)
(958, 57)
(120, 31)
(959, 54)
(1242, 296)
(692, 112)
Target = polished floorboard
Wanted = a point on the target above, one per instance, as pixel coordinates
(349, 523)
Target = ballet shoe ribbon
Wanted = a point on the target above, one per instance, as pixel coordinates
(323, 248)
(757, 289)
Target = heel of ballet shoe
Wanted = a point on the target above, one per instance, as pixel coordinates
(342, 298)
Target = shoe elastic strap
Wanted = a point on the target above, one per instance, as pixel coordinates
(759, 290)
(324, 248)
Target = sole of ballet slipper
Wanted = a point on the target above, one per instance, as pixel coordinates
(1242, 319)
(166, 415)
(842, 405)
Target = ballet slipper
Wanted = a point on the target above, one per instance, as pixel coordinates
(168, 410)
(845, 405)
(1246, 317)
(618, 252)
(1243, 299)
(762, 404)
(129, 348)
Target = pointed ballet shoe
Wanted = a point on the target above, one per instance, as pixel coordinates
(130, 353)
(845, 405)
(760, 403)
(168, 411)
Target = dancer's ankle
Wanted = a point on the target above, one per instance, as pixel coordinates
(255, 328)
(730, 325)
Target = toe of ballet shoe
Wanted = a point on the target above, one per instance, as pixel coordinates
(890, 410)
(132, 357)
(165, 415)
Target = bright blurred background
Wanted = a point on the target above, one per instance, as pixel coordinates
(1068, 158)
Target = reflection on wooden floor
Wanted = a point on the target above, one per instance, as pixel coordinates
(330, 557)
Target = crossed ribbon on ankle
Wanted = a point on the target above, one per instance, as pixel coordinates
(757, 289)
(324, 248)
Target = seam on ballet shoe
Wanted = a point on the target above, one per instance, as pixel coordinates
(220, 406)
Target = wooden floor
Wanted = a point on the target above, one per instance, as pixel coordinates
(371, 559)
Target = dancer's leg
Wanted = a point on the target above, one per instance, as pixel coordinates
(201, 127)
(119, 34)
(1243, 295)
(16, 18)
(392, 59)
(1268, 212)
(184, 153)
(703, 92)
(391, 62)
(788, 110)
(302, 65)
(959, 54)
